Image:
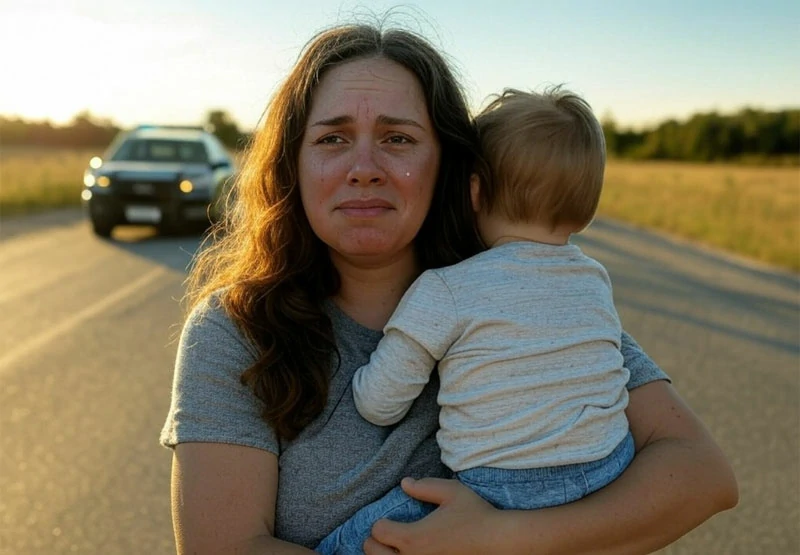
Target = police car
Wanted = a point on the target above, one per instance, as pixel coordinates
(165, 176)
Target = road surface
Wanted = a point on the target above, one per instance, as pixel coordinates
(87, 342)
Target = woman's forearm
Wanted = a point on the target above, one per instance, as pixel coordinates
(261, 545)
(661, 497)
(678, 479)
(224, 500)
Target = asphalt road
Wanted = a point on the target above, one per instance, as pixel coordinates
(87, 341)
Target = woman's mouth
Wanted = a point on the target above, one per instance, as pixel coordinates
(364, 208)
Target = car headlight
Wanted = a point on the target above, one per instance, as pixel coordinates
(91, 180)
(202, 182)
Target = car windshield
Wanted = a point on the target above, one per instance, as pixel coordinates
(160, 150)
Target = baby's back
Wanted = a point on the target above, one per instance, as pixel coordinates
(535, 377)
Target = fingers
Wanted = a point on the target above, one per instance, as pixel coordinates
(389, 532)
(433, 490)
(374, 547)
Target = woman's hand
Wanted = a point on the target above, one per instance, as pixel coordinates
(463, 523)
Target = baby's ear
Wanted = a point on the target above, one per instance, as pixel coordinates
(475, 191)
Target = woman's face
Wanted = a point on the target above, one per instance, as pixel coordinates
(369, 160)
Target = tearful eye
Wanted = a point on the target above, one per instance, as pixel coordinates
(399, 140)
(330, 140)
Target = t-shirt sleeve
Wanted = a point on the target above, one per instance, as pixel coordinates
(428, 314)
(209, 402)
(642, 368)
(420, 331)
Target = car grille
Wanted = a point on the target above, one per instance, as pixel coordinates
(145, 190)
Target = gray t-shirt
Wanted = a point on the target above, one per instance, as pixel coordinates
(340, 462)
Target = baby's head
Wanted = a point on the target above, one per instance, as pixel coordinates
(546, 158)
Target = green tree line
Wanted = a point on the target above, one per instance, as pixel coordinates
(88, 131)
(754, 135)
(84, 131)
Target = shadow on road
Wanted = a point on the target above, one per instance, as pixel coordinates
(175, 250)
(674, 285)
(691, 253)
(792, 348)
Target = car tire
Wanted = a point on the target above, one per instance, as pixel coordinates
(102, 229)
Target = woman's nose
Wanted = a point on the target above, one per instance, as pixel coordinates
(366, 168)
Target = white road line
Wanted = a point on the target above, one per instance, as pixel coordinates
(75, 320)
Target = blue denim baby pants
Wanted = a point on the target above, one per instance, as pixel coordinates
(533, 488)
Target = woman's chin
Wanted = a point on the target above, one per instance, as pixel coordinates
(371, 248)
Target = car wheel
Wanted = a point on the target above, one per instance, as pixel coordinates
(102, 229)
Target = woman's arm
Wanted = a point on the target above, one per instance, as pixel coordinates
(223, 492)
(223, 500)
(678, 479)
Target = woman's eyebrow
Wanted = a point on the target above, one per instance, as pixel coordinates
(390, 120)
(338, 120)
(382, 120)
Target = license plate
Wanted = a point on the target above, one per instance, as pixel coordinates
(143, 214)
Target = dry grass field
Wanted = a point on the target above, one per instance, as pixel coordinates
(35, 179)
(749, 210)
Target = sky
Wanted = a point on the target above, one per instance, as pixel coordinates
(171, 61)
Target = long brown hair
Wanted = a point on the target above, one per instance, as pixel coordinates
(272, 273)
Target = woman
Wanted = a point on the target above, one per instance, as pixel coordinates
(355, 184)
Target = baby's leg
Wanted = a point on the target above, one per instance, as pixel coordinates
(537, 488)
(601, 473)
(349, 538)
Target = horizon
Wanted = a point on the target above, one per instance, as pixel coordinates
(640, 65)
(99, 118)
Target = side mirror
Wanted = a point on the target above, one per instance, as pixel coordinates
(220, 164)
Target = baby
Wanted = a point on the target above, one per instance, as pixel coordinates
(525, 334)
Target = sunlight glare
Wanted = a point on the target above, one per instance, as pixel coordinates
(72, 62)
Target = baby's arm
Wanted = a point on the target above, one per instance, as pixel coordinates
(419, 333)
(385, 388)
